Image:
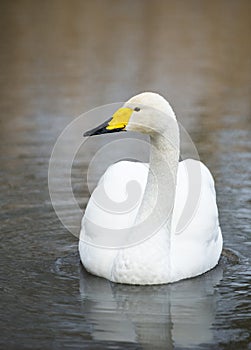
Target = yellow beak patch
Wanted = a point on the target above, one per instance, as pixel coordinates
(120, 119)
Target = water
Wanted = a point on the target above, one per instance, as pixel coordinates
(61, 58)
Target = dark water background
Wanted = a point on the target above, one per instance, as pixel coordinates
(59, 59)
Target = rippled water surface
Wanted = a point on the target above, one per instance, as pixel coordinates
(61, 58)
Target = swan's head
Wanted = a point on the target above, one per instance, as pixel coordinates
(147, 113)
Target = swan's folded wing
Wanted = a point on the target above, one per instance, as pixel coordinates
(112, 207)
(115, 201)
(196, 236)
(195, 209)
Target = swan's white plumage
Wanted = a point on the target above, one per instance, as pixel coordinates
(191, 252)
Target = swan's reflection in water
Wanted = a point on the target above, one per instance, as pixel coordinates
(177, 315)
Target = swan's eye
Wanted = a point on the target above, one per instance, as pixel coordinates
(137, 109)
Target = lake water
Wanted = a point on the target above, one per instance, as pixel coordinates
(62, 58)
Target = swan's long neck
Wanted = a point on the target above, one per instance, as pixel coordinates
(159, 193)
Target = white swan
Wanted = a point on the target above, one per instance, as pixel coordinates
(154, 242)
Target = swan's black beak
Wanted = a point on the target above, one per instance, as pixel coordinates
(116, 123)
(102, 129)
